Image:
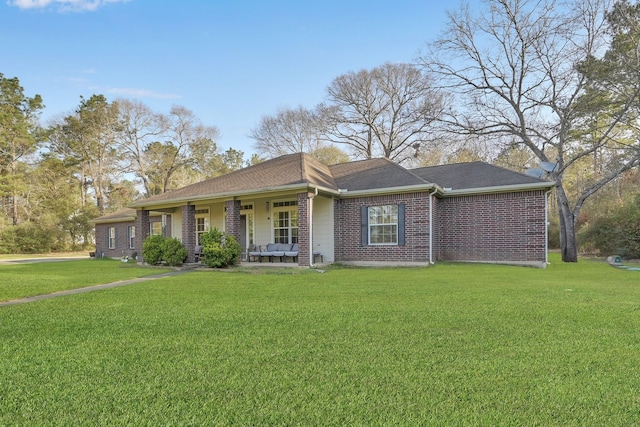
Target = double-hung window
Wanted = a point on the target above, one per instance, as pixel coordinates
(155, 228)
(383, 225)
(285, 222)
(131, 236)
(111, 237)
(202, 223)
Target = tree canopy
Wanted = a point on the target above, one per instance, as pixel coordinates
(526, 73)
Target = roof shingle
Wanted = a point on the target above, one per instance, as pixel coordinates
(299, 168)
(459, 176)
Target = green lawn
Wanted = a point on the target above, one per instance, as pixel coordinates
(447, 345)
(25, 280)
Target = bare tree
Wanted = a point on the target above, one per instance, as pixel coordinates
(515, 71)
(289, 131)
(141, 129)
(387, 111)
(166, 151)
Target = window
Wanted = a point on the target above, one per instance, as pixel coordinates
(131, 236)
(111, 237)
(155, 228)
(202, 226)
(285, 222)
(383, 225)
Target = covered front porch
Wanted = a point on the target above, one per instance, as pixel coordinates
(303, 219)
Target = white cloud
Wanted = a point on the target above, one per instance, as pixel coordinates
(140, 93)
(63, 5)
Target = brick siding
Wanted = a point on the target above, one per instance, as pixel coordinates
(122, 237)
(232, 222)
(189, 231)
(492, 227)
(303, 229)
(347, 230)
(122, 240)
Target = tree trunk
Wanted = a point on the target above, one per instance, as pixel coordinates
(568, 242)
(14, 190)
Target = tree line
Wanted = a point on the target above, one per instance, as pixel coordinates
(515, 82)
(98, 159)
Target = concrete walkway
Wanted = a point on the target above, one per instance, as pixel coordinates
(33, 260)
(91, 288)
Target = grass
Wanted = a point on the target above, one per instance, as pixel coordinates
(24, 280)
(448, 345)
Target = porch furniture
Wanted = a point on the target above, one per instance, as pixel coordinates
(318, 254)
(293, 252)
(198, 253)
(253, 253)
(272, 250)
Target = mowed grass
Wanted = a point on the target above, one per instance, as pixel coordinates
(447, 345)
(25, 280)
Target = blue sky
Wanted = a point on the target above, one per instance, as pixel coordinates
(230, 62)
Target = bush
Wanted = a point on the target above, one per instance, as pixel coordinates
(27, 238)
(219, 249)
(173, 251)
(617, 233)
(156, 249)
(152, 249)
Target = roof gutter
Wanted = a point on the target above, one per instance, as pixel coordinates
(386, 190)
(231, 194)
(128, 218)
(499, 189)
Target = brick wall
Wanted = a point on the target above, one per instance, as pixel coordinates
(492, 227)
(303, 228)
(122, 237)
(122, 240)
(142, 230)
(347, 230)
(189, 231)
(232, 221)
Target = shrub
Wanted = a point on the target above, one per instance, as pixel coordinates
(27, 238)
(152, 249)
(219, 249)
(616, 233)
(173, 251)
(156, 249)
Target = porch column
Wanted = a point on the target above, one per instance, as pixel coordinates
(304, 228)
(232, 222)
(142, 231)
(189, 231)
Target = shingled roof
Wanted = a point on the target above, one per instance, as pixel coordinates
(291, 170)
(373, 174)
(462, 176)
(301, 171)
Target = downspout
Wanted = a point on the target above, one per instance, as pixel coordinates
(546, 227)
(315, 193)
(431, 226)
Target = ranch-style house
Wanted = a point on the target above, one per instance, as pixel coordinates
(363, 212)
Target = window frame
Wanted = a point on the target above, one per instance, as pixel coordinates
(384, 218)
(290, 208)
(366, 227)
(111, 237)
(131, 236)
(152, 225)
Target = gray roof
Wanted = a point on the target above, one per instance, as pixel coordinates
(290, 170)
(373, 174)
(300, 171)
(459, 176)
